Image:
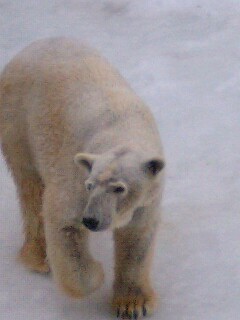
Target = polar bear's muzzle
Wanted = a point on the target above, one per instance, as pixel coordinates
(91, 223)
(95, 225)
(99, 212)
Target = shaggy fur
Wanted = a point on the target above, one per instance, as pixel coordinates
(81, 146)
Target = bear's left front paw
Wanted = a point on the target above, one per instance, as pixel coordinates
(134, 306)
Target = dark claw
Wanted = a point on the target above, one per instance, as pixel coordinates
(118, 312)
(135, 314)
(144, 311)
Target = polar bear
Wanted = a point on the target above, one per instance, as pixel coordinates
(85, 155)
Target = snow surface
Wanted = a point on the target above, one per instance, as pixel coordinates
(183, 59)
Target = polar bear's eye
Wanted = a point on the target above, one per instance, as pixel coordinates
(89, 186)
(118, 187)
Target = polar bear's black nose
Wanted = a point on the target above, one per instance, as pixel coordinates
(90, 223)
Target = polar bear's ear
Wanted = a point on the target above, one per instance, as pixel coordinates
(154, 166)
(85, 159)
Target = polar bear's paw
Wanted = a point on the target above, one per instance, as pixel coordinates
(134, 306)
(33, 256)
(82, 281)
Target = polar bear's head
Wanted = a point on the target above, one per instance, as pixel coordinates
(117, 183)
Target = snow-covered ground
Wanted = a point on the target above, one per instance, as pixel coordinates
(183, 59)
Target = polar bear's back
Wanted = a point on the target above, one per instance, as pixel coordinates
(68, 59)
(62, 96)
(57, 77)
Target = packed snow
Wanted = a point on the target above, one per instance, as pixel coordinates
(183, 59)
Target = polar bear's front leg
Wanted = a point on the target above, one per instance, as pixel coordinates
(133, 294)
(73, 267)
